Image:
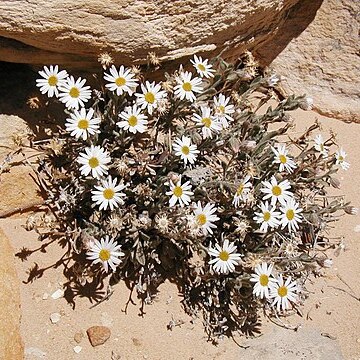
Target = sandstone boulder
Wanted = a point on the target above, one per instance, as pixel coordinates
(324, 61)
(11, 346)
(73, 33)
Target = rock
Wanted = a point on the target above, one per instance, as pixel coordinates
(322, 62)
(38, 353)
(77, 349)
(25, 193)
(59, 32)
(98, 335)
(55, 318)
(59, 293)
(11, 346)
(283, 344)
(78, 337)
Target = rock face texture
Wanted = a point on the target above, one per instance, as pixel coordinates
(17, 188)
(312, 43)
(11, 346)
(74, 32)
(324, 61)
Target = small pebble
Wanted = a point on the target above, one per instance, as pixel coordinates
(98, 335)
(77, 349)
(59, 293)
(55, 317)
(45, 296)
(78, 336)
(358, 340)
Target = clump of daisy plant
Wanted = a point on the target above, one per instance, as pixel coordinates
(181, 178)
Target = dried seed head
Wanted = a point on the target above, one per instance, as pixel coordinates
(105, 59)
(162, 223)
(115, 221)
(351, 210)
(121, 167)
(273, 80)
(327, 263)
(163, 106)
(56, 146)
(307, 103)
(135, 69)
(153, 59)
(33, 102)
(31, 222)
(167, 86)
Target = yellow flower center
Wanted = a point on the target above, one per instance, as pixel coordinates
(93, 162)
(206, 122)
(201, 219)
(201, 67)
(282, 159)
(150, 97)
(276, 190)
(240, 189)
(120, 81)
(282, 291)
(322, 147)
(104, 255)
(83, 124)
(267, 216)
(52, 80)
(290, 214)
(178, 191)
(74, 92)
(132, 120)
(221, 109)
(187, 86)
(341, 158)
(224, 255)
(108, 194)
(263, 280)
(185, 150)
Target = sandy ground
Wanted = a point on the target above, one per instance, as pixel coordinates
(331, 308)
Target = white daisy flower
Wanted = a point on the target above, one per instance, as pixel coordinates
(281, 157)
(268, 217)
(225, 258)
(208, 123)
(242, 191)
(82, 124)
(223, 110)
(107, 252)
(94, 161)
(340, 156)
(277, 192)
(134, 121)
(179, 193)
(262, 279)
(290, 215)
(320, 145)
(187, 87)
(108, 194)
(205, 217)
(120, 81)
(185, 150)
(52, 79)
(150, 97)
(73, 93)
(202, 67)
(283, 293)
